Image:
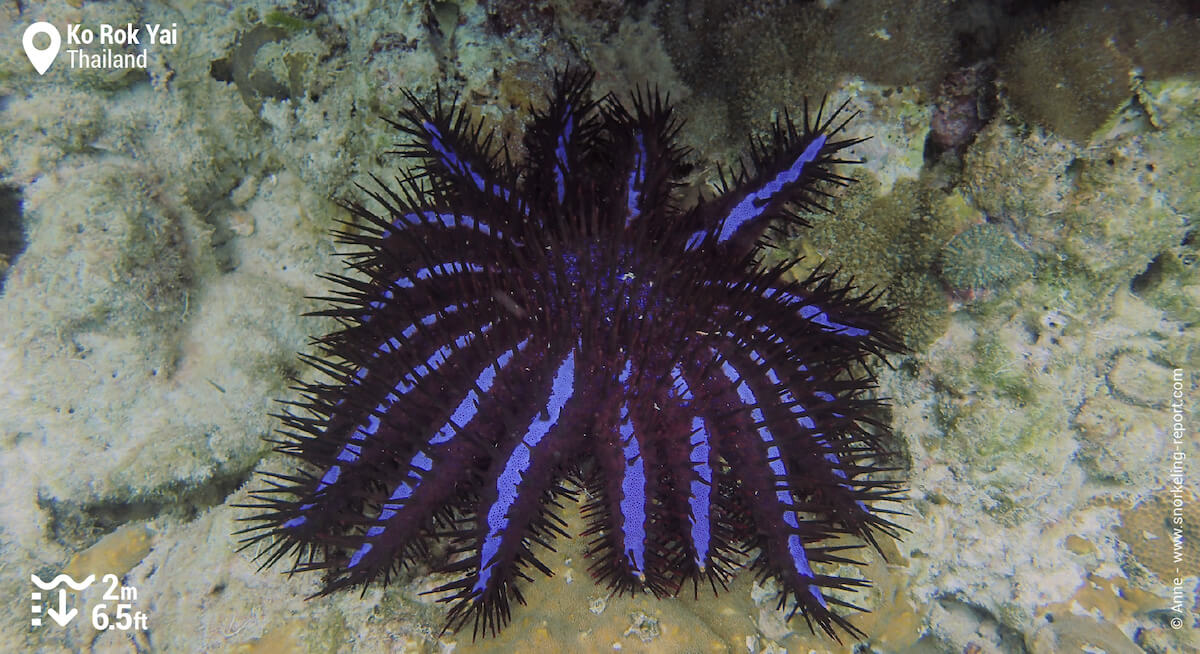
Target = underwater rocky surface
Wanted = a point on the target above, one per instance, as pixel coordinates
(1028, 198)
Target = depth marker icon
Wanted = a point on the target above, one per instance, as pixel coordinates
(37, 609)
(61, 615)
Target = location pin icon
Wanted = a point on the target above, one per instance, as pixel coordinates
(41, 59)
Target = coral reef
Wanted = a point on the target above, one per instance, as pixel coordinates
(984, 257)
(754, 46)
(1075, 65)
(160, 234)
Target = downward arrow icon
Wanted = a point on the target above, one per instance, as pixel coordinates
(62, 616)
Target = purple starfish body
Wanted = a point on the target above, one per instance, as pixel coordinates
(517, 327)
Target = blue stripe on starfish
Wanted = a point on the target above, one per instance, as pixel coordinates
(818, 315)
(637, 178)
(784, 496)
(371, 426)
(633, 491)
(507, 486)
(561, 165)
(633, 498)
(394, 344)
(700, 489)
(802, 417)
(463, 414)
(815, 313)
(441, 270)
(444, 218)
(449, 219)
(755, 202)
(456, 164)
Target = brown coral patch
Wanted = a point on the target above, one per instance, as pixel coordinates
(1149, 527)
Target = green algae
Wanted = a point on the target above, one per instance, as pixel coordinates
(989, 431)
(286, 21)
(992, 415)
(996, 370)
